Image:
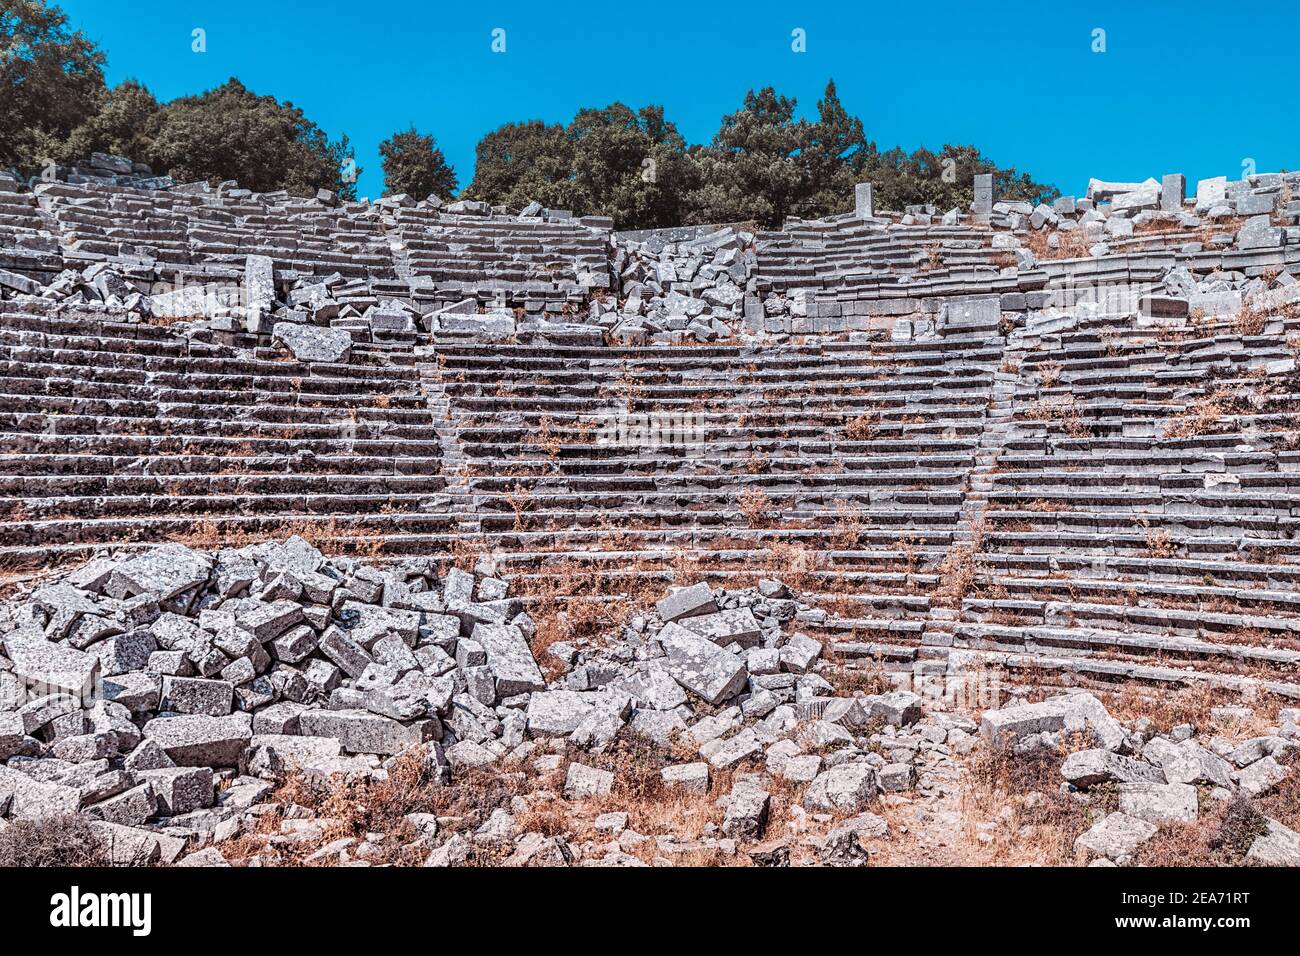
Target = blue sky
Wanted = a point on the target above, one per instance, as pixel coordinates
(1190, 87)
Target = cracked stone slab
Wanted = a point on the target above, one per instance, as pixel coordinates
(558, 713)
(687, 602)
(510, 659)
(1159, 802)
(311, 343)
(49, 668)
(1116, 837)
(360, 731)
(702, 667)
(199, 740)
(163, 573)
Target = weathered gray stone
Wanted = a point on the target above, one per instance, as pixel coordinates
(1116, 837)
(847, 787)
(360, 731)
(180, 790)
(733, 626)
(510, 658)
(1159, 802)
(162, 573)
(1278, 846)
(49, 668)
(1087, 768)
(723, 753)
(312, 343)
(1187, 762)
(1261, 776)
(191, 695)
(746, 811)
(702, 667)
(558, 713)
(583, 782)
(897, 708)
(199, 740)
(688, 777)
(350, 656)
(31, 799)
(1073, 713)
(687, 602)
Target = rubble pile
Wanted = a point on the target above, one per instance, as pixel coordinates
(171, 688)
(1158, 779)
(699, 287)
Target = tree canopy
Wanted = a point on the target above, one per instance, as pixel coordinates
(764, 163)
(413, 164)
(55, 106)
(50, 79)
(232, 133)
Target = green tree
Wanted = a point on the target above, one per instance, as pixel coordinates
(946, 179)
(125, 122)
(834, 156)
(232, 133)
(521, 162)
(628, 165)
(50, 77)
(752, 170)
(413, 164)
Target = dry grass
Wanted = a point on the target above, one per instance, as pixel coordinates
(1038, 824)
(1160, 544)
(1203, 417)
(756, 507)
(862, 428)
(1049, 374)
(1062, 410)
(65, 840)
(331, 537)
(1071, 244)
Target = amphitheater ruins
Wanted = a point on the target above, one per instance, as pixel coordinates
(303, 497)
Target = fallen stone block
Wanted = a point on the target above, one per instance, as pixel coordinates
(31, 799)
(47, 668)
(510, 658)
(180, 790)
(848, 787)
(133, 846)
(130, 808)
(799, 653)
(466, 755)
(687, 602)
(193, 695)
(1261, 776)
(311, 343)
(746, 811)
(898, 708)
(1116, 837)
(734, 626)
(700, 666)
(1187, 762)
(1087, 768)
(688, 777)
(722, 754)
(162, 573)
(535, 849)
(1159, 802)
(1278, 846)
(583, 782)
(198, 740)
(360, 731)
(1075, 713)
(558, 713)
